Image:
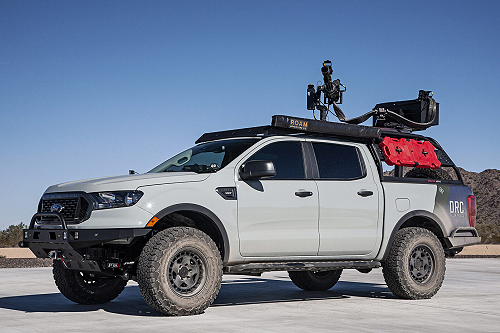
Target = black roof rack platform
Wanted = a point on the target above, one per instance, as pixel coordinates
(291, 125)
(237, 133)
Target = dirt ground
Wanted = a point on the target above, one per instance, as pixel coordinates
(16, 252)
(481, 250)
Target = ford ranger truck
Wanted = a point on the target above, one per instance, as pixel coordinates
(303, 196)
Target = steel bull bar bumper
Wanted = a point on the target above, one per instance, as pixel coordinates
(59, 242)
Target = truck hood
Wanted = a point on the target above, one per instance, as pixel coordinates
(127, 182)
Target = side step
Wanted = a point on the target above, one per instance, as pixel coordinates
(255, 268)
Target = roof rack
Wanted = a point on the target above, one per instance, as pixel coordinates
(237, 133)
(281, 125)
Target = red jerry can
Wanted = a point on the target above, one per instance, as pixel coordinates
(425, 155)
(398, 151)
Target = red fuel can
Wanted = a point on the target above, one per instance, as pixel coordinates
(409, 152)
(425, 155)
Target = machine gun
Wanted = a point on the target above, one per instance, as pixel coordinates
(332, 91)
(411, 115)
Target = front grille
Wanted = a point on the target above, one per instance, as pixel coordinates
(75, 207)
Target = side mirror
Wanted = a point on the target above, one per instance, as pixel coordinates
(257, 170)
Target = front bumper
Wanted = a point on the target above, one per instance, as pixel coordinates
(460, 237)
(67, 244)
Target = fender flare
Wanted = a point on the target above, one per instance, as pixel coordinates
(416, 213)
(204, 211)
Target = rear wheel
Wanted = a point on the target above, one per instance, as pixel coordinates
(315, 281)
(85, 288)
(415, 266)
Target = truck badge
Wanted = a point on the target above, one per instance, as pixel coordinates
(57, 208)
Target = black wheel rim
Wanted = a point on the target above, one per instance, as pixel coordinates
(421, 264)
(187, 272)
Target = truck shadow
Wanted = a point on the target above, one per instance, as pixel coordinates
(251, 290)
(239, 291)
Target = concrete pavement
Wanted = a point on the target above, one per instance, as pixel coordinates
(467, 302)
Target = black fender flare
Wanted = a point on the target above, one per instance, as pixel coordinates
(204, 211)
(416, 213)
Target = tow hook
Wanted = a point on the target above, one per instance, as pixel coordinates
(54, 255)
(57, 255)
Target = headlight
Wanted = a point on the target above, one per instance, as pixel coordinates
(104, 200)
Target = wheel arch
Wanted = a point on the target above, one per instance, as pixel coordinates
(418, 218)
(196, 216)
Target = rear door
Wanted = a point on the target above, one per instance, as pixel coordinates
(348, 200)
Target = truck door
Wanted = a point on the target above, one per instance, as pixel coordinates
(278, 216)
(348, 200)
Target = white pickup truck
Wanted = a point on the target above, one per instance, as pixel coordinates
(300, 195)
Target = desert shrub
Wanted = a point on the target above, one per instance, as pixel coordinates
(490, 233)
(11, 236)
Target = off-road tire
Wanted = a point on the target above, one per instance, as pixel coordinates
(315, 281)
(86, 288)
(415, 266)
(428, 173)
(180, 271)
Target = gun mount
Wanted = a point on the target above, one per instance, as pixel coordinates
(412, 115)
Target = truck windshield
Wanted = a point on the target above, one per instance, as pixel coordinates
(206, 157)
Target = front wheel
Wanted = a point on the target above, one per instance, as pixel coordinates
(315, 281)
(180, 271)
(86, 288)
(415, 266)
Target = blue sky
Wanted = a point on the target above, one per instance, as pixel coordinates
(95, 88)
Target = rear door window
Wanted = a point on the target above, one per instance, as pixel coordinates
(341, 162)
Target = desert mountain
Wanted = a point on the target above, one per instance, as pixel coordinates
(486, 187)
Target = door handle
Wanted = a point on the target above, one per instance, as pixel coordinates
(303, 194)
(365, 193)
